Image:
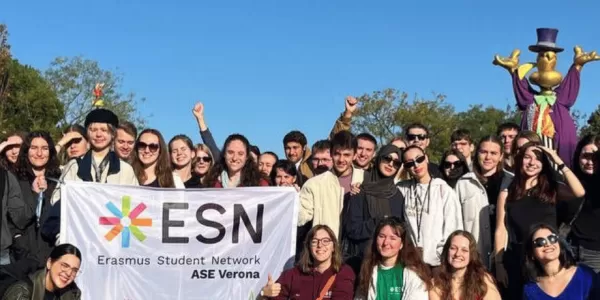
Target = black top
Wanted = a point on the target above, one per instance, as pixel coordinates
(153, 184)
(48, 295)
(585, 228)
(492, 189)
(194, 182)
(521, 214)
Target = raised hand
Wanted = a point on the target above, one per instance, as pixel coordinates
(581, 57)
(351, 106)
(272, 289)
(198, 111)
(510, 63)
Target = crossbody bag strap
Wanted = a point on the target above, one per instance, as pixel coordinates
(577, 213)
(326, 287)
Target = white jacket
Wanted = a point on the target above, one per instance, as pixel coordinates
(476, 213)
(413, 288)
(441, 215)
(178, 181)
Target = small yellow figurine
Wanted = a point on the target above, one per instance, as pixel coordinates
(98, 102)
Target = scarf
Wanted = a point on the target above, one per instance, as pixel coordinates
(225, 180)
(380, 189)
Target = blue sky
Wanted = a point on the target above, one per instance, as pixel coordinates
(263, 68)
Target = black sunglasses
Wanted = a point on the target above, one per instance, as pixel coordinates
(588, 156)
(153, 147)
(205, 159)
(541, 242)
(449, 165)
(411, 164)
(412, 137)
(388, 159)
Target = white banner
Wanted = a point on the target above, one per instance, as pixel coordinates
(143, 244)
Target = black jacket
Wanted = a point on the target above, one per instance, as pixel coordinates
(34, 288)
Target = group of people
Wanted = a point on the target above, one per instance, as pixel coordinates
(375, 221)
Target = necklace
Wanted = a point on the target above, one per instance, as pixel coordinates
(420, 204)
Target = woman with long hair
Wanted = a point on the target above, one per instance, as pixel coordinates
(236, 167)
(401, 143)
(478, 193)
(552, 271)
(151, 162)
(38, 171)
(285, 173)
(55, 281)
(585, 234)
(183, 153)
(462, 275)
(9, 150)
(453, 166)
(522, 138)
(531, 198)
(319, 272)
(73, 144)
(392, 267)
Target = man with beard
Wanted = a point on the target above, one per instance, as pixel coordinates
(321, 157)
(322, 197)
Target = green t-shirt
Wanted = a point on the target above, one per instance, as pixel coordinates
(389, 282)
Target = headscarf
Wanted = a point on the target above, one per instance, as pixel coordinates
(380, 188)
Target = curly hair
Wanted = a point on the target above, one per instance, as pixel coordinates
(23, 165)
(164, 172)
(474, 285)
(250, 175)
(409, 256)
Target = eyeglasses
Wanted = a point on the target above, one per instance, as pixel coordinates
(411, 164)
(541, 242)
(321, 160)
(450, 165)
(152, 147)
(588, 156)
(65, 267)
(388, 159)
(323, 241)
(420, 137)
(205, 159)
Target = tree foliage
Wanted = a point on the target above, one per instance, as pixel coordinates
(74, 79)
(4, 60)
(593, 123)
(30, 102)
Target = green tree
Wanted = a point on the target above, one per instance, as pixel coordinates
(4, 60)
(482, 121)
(74, 79)
(376, 114)
(593, 123)
(30, 102)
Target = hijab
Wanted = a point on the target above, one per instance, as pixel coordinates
(380, 188)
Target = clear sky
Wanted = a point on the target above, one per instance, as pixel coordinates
(265, 67)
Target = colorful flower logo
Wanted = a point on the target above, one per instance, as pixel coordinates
(125, 221)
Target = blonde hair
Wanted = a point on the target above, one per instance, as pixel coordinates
(204, 148)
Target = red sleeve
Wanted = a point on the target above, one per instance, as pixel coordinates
(285, 279)
(263, 182)
(343, 287)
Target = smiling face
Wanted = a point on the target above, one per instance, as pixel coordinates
(39, 152)
(203, 162)
(63, 271)
(181, 154)
(364, 153)
(587, 159)
(294, 151)
(459, 252)
(235, 156)
(321, 246)
(489, 156)
(389, 165)
(148, 148)
(389, 243)
(532, 162)
(99, 135)
(342, 161)
(549, 248)
(124, 144)
(284, 179)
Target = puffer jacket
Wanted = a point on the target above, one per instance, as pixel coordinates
(34, 288)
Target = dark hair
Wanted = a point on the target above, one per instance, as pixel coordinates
(254, 149)
(4, 162)
(62, 250)
(523, 134)
(547, 186)
(344, 140)
(306, 263)
(23, 165)
(129, 128)
(474, 285)
(461, 159)
(410, 148)
(416, 126)
(590, 139)
(250, 175)
(321, 145)
(63, 157)
(289, 168)
(477, 167)
(409, 256)
(296, 137)
(188, 142)
(534, 268)
(368, 137)
(270, 153)
(461, 134)
(164, 171)
(507, 126)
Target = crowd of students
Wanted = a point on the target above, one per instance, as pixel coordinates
(375, 221)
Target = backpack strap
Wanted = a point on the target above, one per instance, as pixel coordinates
(326, 287)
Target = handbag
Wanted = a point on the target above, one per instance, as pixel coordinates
(565, 229)
(326, 287)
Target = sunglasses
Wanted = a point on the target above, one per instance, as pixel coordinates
(411, 164)
(388, 159)
(541, 242)
(450, 165)
(420, 137)
(152, 147)
(588, 156)
(205, 159)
